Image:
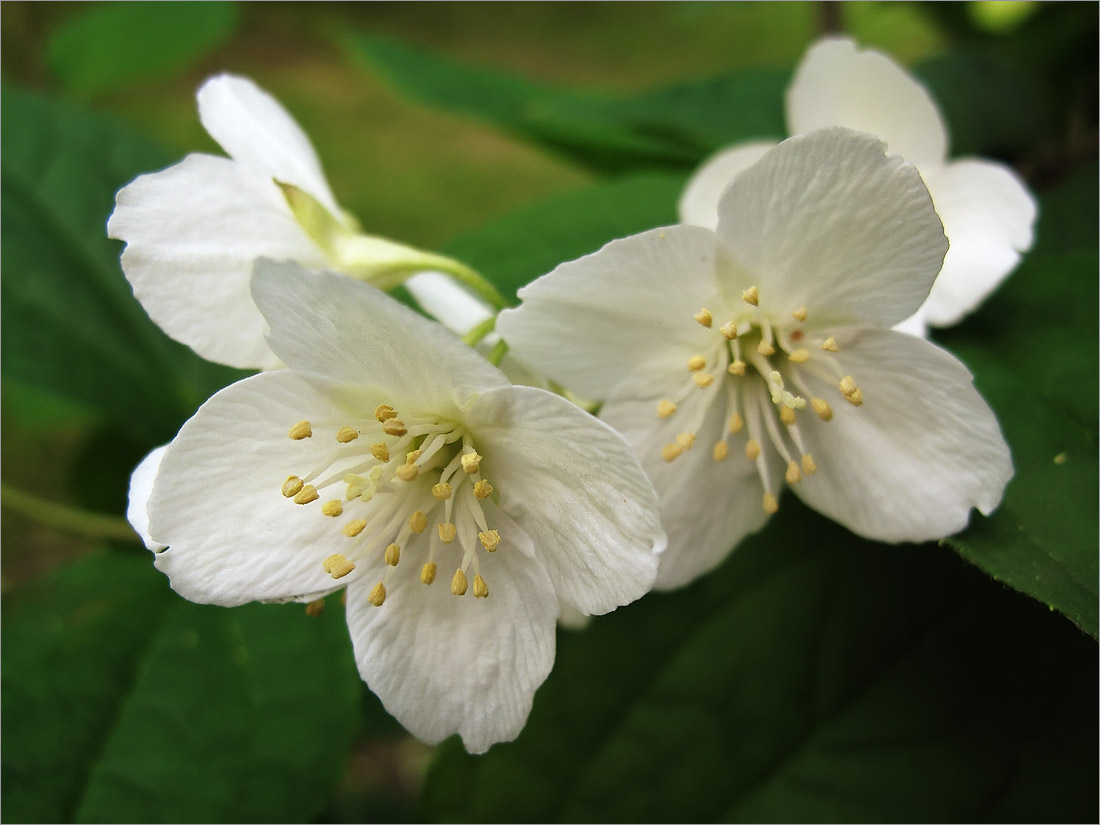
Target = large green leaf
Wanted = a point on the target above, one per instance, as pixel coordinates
(125, 703)
(71, 325)
(813, 677)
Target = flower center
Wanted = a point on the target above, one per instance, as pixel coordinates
(400, 478)
(757, 368)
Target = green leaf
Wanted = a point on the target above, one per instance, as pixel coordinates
(110, 47)
(813, 677)
(125, 703)
(71, 325)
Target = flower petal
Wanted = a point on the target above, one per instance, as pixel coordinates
(923, 448)
(828, 222)
(192, 233)
(447, 302)
(141, 488)
(593, 321)
(328, 326)
(217, 502)
(573, 486)
(699, 200)
(988, 216)
(837, 84)
(256, 131)
(444, 664)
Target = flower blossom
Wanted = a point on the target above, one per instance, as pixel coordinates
(390, 459)
(987, 213)
(760, 354)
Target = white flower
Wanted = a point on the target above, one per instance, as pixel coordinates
(390, 455)
(194, 230)
(986, 210)
(734, 361)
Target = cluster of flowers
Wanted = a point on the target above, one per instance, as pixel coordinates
(753, 346)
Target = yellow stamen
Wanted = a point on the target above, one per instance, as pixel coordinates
(306, 495)
(736, 367)
(752, 449)
(407, 472)
(686, 440)
(380, 451)
(721, 450)
(333, 508)
(764, 348)
(770, 504)
(829, 345)
(354, 528)
(490, 539)
(394, 426)
(458, 583)
(418, 521)
(427, 572)
(483, 489)
(338, 566)
(855, 399)
(315, 607)
(665, 408)
(301, 430)
(729, 329)
(794, 474)
(441, 491)
(786, 415)
(822, 408)
(808, 465)
(702, 379)
(736, 423)
(696, 363)
(704, 317)
(799, 314)
(292, 486)
(670, 452)
(412, 456)
(446, 532)
(800, 356)
(751, 296)
(471, 462)
(850, 391)
(384, 412)
(377, 594)
(393, 555)
(481, 590)
(346, 434)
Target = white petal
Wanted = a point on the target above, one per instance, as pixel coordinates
(233, 537)
(573, 486)
(192, 233)
(922, 450)
(593, 321)
(699, 200)
(444, 664)
(256, 131)
(837, 84)
(988, 216)
(915, 324)
(447, 302)
(828, 222)
(141, 488)
(328, 326)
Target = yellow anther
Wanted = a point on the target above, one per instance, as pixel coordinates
(377, 594)
(855, 399)
(670, 452)
(483, 489)
(729, 329)
(306, 495)
(441, 491)
(446, 532)
(394, 426)
(458, 583)
(354, 528)
(736, 367)
(412, 456)
(721, 450)
(333, 508)
(471, 462)
(384, 413)
(665, 408)
(702, 379)
(685, 440)
(800, 356)
(300, 430)
(786, 415)
(427, 572)
(418, 521)
(794, 474)
(292, 486)
(490, 539)
(696, 363)
(751, 296)
(380, 451)
(481, 590)
(850, 391)
(808, 465)
(338, 566)
(736, 423)
(407, 472)
(393, 555)
(752, 449)
(704, 317)
(764, 348)
(315, 607)
(770, 504)
(829, 345)
(799, 314)
(822, 408)
(346, 434)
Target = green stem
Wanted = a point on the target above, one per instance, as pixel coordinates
(496, 355)
(66, 518)
(474, 336)
(471, 278)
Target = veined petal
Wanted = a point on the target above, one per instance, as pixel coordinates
(141, 488)
(328, 326)
(444, 664)
(593, 321)
(829, 222)
(257, 132)
(988, 216)
(192, 233)
(837, 84)
(573, 486)
(233, 536)
(447, 302)
(921, 450)
(699, 200)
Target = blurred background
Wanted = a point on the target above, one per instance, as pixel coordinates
(516, 136)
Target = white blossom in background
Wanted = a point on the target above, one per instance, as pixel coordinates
(987, 212)
(458, 510)
(760, 355)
